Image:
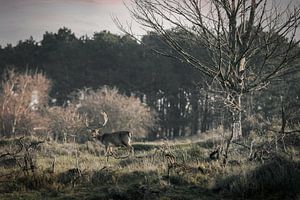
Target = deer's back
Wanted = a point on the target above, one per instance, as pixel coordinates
(120, 138)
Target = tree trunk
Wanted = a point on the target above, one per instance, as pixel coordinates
(236, 127)
(204, 124)
(195, 113)
(283, 119)
(237, 119)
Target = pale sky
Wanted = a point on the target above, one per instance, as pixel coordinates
(20, 19)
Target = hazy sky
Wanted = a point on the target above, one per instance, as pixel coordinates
(20, 19)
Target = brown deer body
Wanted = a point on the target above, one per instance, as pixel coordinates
(114, 139)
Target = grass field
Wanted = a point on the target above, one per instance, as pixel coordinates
(81, 172)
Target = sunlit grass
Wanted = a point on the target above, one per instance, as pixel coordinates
(145, 172)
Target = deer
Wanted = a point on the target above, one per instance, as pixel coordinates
(113, 139)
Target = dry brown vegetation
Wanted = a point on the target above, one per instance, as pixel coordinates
(24, 110)
(159, 170)
(21, 95)
(47, 152)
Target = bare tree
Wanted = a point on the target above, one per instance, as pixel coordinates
(21, 95)
(250, 42)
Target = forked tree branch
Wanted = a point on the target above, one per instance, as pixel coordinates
(250, 42)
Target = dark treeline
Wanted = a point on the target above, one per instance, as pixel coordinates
(177, 92)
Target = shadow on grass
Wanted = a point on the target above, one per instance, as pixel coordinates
(109, 183)
(144, 185)
(279, 177)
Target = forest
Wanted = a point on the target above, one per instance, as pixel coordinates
(178, 93)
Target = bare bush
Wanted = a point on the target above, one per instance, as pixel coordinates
(255, 123)
(21, 97)
(23, 110)
(22, 153)
(125, 113)
(65, 124)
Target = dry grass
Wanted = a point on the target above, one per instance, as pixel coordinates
(280, 177)
(144, 175)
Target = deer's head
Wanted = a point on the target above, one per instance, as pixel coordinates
(97, 130)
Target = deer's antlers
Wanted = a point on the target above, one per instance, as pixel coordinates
(105, 118)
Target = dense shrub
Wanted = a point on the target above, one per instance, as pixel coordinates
(82, 113)
(24, 110)
(65, 124)
(21, 97)
(124, 113)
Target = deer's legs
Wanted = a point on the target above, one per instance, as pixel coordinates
(108, 152)
(130, 149)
